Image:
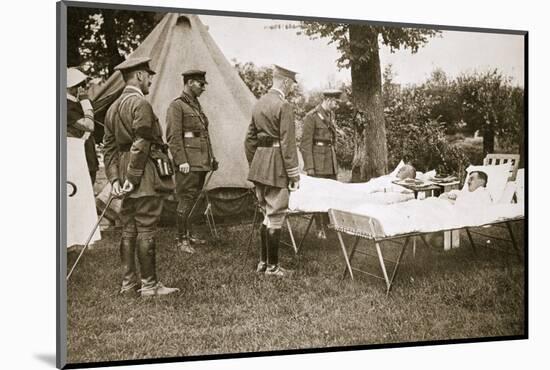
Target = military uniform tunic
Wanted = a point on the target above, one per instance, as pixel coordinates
(271, 151)
(317, 145)
(132, 136)
(272, 119)
(189, 141)
(187, 134)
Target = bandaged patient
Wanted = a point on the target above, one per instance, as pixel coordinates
(318, 195)
(385, 183)
(475, 193)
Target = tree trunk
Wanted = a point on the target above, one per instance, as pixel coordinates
(370, 153)
(488, 140)
(110, 40)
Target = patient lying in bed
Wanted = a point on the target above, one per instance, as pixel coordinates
(385, 183)
(475, 194)
(470, 207)
(318, 194)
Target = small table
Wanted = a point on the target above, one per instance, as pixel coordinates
(426, 188)
(451, 239)
(446, 187)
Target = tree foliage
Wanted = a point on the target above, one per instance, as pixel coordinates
(99, 39)
(395, 38)
(259, 80)
(490, 104)
(359, 46)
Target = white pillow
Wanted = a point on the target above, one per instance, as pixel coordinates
(497, 177)
(508, 193)
(425, 176)
(520, 190)
(399, 165)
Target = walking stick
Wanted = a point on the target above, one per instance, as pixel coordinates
(111, 197)
(209, 176)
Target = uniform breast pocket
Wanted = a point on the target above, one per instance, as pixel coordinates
(322, 133)
(193, 150)
(191, 122)
(319, 157)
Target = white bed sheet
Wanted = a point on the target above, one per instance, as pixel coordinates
(434, 214)
(319, 195)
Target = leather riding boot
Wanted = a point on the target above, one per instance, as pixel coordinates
(150, 286)
(128, 260)
(147, 262)
(262, 265)
(273, 238)
(273, 241)
(183, 243)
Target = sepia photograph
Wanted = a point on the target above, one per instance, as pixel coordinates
(241, 184)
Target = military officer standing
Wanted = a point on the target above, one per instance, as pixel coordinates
(187, 135)
(80, 117)
(317, 145)
(271, 151)
(136, 165)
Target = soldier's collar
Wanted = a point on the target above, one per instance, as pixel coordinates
(134, 89)
(189, 98)
(322, 112)
(278, 91)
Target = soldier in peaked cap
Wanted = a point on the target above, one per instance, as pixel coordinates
(80, 117)
(317, 145)
(271, 151)
(191, 148)
(135, 163)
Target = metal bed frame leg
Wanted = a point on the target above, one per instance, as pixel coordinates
(383, 266)
(305, 234)
(513, 239)
(471, 240)
(343, 246)
(401, 253)
(291, 236)
(423, 238)
(353, 248)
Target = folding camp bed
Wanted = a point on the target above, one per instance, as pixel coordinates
(374, 229)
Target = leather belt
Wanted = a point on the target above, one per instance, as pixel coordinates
(322, 143)
(127, 147)
(273, 144)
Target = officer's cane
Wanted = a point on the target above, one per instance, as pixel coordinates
(111, 197)
(209, 176)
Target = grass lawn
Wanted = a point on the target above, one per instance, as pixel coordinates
(224, 307)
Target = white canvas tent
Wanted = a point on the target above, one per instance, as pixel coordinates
(178, 43)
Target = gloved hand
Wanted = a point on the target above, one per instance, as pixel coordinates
(82, 94)
(215, 164)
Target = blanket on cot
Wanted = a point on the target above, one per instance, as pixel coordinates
(318, 195)
(434, 214)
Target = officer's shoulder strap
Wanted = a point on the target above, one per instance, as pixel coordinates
(123, 99)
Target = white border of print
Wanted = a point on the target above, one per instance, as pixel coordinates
(28, 153)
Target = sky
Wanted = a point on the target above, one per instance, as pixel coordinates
(455, 52)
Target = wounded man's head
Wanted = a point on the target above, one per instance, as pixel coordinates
(476, 180)
(406, 172)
